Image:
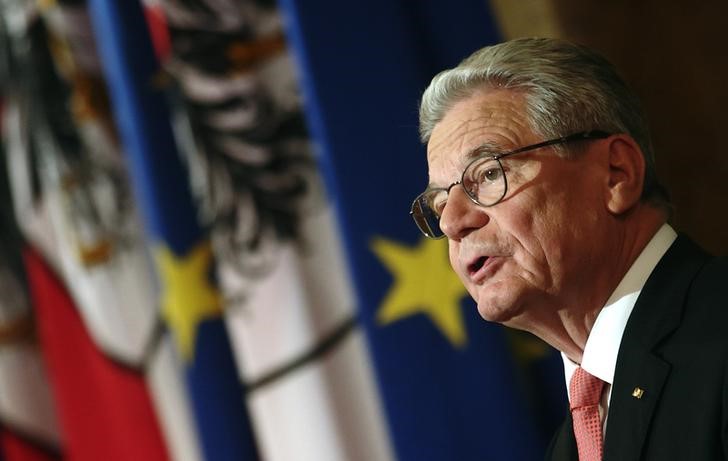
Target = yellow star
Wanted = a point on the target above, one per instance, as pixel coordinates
(188, 297)
(423, 283)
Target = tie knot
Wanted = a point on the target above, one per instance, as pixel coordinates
(585, 389)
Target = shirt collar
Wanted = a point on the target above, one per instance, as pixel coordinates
(602, 345)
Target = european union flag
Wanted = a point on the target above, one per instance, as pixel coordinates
(190, 302)
(449, 380)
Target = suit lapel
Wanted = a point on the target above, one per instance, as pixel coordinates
(635, 394)
(640, 374)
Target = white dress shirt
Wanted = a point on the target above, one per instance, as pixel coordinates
(602, 345)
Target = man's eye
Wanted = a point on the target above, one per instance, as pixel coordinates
(489, 175)
(486, 174)
(483, 172)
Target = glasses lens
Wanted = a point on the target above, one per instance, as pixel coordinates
(484, 181)
(426, 211)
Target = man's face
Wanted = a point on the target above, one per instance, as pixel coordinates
(532, 252)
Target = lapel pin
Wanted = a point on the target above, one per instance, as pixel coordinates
(638, 392)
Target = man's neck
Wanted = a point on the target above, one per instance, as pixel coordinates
(569, 329)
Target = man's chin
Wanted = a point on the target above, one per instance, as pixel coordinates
(499, 302)
(496, 312)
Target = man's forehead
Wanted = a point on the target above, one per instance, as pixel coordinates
(493, 121)
(468, 149)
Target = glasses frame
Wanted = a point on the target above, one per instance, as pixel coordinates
(581, 136)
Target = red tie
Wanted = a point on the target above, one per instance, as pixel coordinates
(586, 391)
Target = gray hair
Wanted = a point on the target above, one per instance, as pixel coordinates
(568, 88)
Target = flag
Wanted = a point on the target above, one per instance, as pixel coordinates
(104, 407)
(29, 428)
(189, 302)
(17, 448)
(450, 382)
(95, 312)
(289, 304)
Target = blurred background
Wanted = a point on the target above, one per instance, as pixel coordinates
(205, 248)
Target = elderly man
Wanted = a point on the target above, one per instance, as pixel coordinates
(542, 179)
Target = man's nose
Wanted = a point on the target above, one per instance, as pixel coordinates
(461, 215)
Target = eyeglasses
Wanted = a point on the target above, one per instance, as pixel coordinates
(483, 180)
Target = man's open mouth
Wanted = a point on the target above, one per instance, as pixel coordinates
(476, 265)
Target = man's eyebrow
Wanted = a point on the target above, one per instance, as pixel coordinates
(488, 147)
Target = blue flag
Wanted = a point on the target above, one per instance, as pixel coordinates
(452, 384)
(190, 303)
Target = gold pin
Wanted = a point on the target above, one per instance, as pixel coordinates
(638, 392)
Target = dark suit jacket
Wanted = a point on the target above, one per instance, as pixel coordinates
(675, 348)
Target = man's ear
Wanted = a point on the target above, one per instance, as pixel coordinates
(626, 173)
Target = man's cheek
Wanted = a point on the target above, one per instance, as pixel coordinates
(453, 256)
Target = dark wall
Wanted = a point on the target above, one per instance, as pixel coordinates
(675, 56)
